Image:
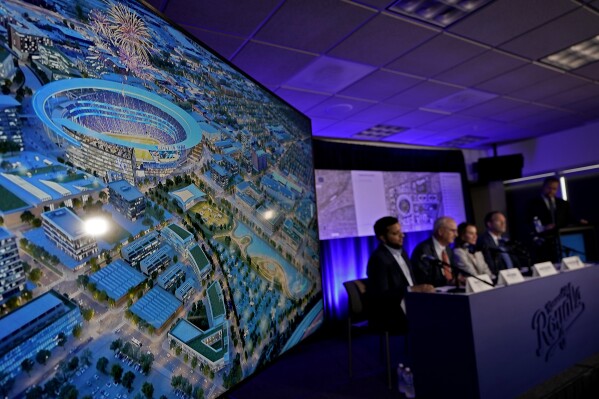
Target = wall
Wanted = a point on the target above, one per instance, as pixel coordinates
(558, 151)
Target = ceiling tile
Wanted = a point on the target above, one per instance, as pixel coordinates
(590, 71)
(567, 98)
(329, 75)
(422, 94)
(378, 4)
(479, 69)
(448, 52)
(491, 107)
(225, 16)
(225, 45)
(547, 88)
(269, 64)
(379, 113)
(520, 112)
(338, 108)
(317, 25)
(381, 40)
(319, 124)
(411, 136)
(302, 100)
(447, 122)
(517, 79)
(344, 129)
(589, 106)
(570, 29)
(380, 85)
(415, 118)
(503, 20)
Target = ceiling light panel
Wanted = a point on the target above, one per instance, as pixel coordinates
(437, 12)
(575, 56)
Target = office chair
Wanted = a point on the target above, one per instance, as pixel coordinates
(358, 318)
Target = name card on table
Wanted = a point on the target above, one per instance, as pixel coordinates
(543, 269)
(510, 276)
(473, 285)
(572, 263)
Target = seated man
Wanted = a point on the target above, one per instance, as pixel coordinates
(389, 276)
(436, 248)
(493, 244)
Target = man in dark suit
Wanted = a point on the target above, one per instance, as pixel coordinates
(493, 244)
(428, 271)
(389, 276)
(554, 214)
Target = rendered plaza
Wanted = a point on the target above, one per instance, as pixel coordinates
(208, 268)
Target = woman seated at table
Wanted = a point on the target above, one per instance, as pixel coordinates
(466, 255)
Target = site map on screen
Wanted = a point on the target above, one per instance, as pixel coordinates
(350, 201)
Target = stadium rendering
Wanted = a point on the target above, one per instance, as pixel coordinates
(109, 127)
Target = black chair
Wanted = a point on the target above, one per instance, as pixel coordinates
(358, 318)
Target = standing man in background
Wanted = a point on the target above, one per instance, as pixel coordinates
(389, 276)
(426, 270)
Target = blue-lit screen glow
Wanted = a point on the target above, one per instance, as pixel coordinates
(211, 260)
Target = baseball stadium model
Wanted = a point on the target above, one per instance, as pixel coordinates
(114, 127)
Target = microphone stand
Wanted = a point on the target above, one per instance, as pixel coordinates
(457, 270)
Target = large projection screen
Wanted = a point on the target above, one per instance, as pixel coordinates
(350, 201)
(209, 269)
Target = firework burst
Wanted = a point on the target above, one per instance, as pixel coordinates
(128, 32)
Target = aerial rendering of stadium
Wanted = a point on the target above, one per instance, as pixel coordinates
(109, 127)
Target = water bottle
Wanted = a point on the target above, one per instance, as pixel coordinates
(401, 384)
(408, 377)
(538, 225)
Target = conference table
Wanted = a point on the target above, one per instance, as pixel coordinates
(502, 342)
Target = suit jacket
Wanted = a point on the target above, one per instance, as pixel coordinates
(427, 272)
(387, 286)
(493, 254)
(538, 207)
(473, 263)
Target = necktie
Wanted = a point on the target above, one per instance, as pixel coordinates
(446, 269)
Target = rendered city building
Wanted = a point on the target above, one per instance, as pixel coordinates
(116, 279)
(200, 263)
(157, 308)
(12, 275)
(211, 347)
(178, 237)
(185, 291)
(127, 199)
(171, 276)
(64, 228)
(187, 197)
(134, 252)
(25, 38)
(157, 261)
(7, 65)
(259, 160)
(33, 327)
(10, 124)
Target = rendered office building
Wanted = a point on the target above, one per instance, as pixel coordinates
(171, 276)
(157, 261)
(127, 199)
(211, 347)
(178, 237)
(64, 228)
(10, 124)
(185, 291)
(33, 327)
(12, 276)
(136, 251)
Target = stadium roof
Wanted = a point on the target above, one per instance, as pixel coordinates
(43, 107)
(125, 190)
(116, 279)
(156, 307)
(66, 221)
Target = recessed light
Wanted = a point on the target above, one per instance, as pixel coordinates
(575, 56)
(437, 12)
